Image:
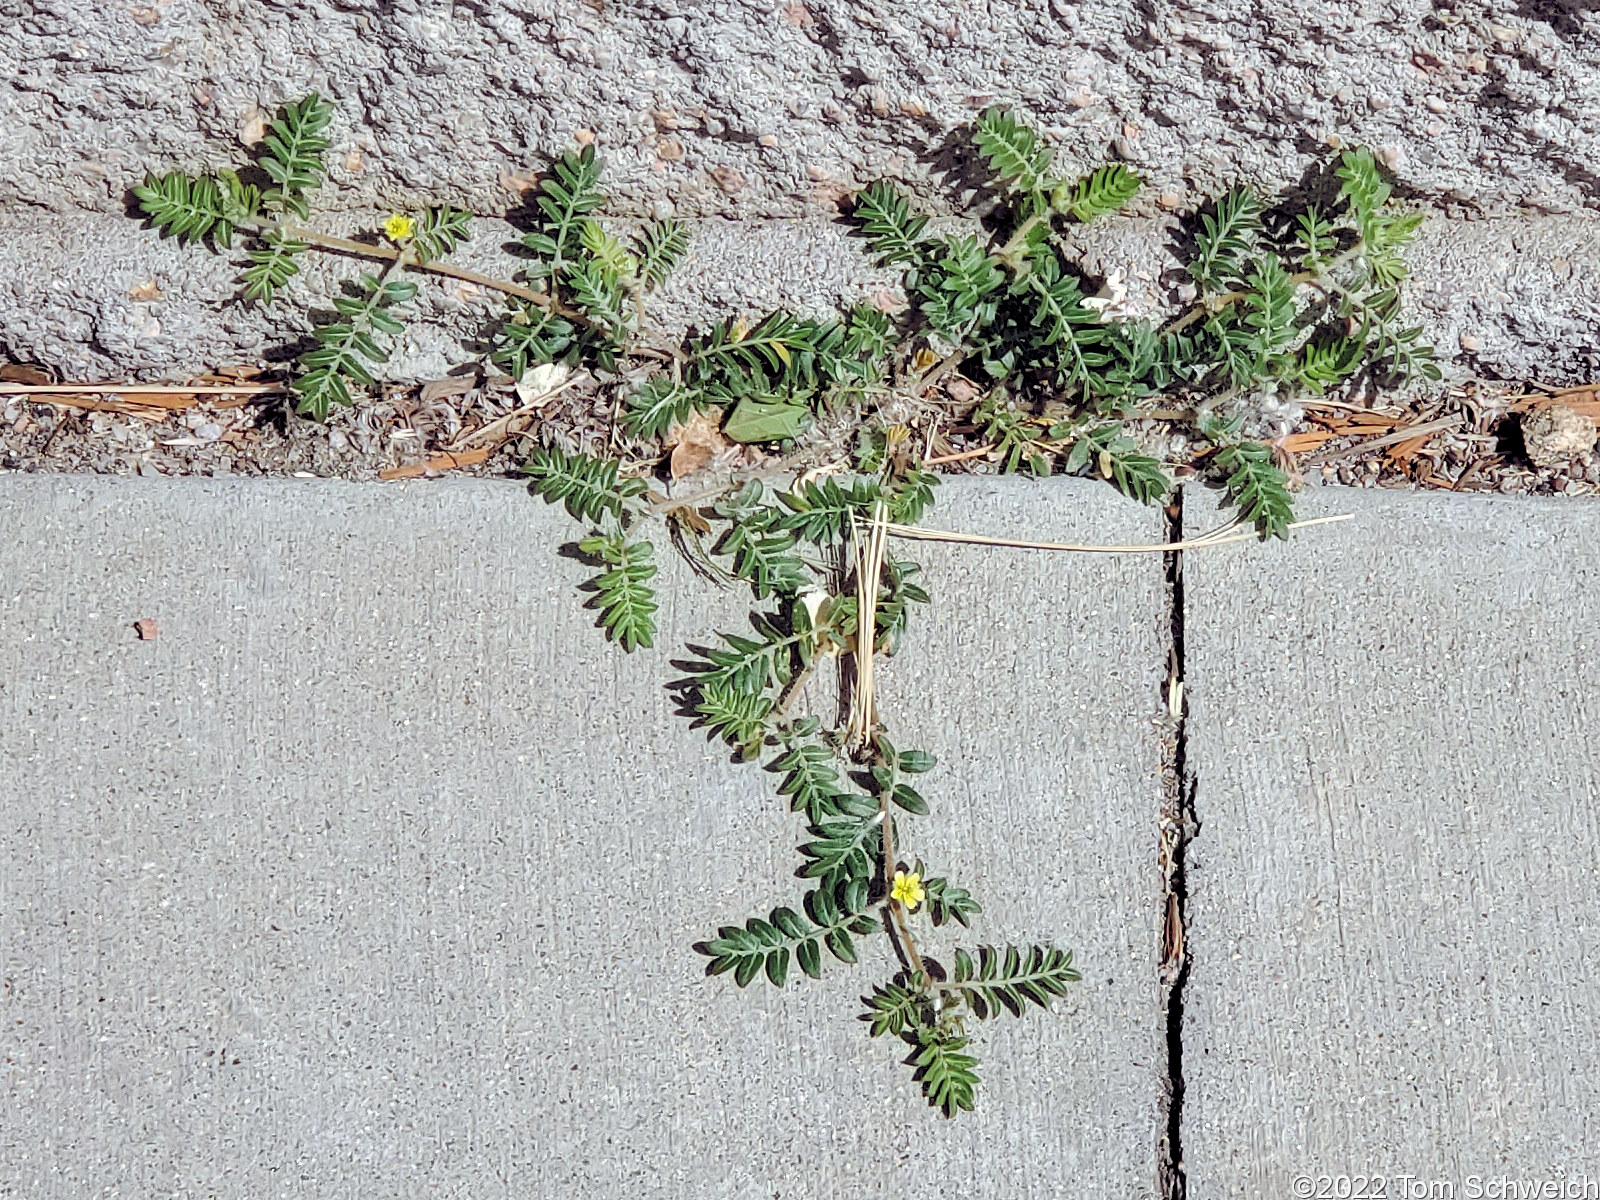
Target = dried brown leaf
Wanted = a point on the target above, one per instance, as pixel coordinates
(444, 461)
(453, 385)
(24, 373)
(695, 444)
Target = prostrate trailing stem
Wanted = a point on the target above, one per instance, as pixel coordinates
(1282, 301)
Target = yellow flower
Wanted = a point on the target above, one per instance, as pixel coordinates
(908, 889)
(399, 227)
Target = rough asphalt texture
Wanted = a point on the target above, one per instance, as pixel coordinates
(1393, 890)
(377, 871)
(756, 111)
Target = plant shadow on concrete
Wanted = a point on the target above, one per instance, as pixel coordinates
(1278, 300)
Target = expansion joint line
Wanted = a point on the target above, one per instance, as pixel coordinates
(1177, 826)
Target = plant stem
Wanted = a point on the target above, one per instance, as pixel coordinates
(941, 369)
(339, 245)
(908, 944)
(782, 467)
(1215, 304)
(1008, 254)
(791, 693)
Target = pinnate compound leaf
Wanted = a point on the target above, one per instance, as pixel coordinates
(1013, 150)
(1100, 193)
(589, 487)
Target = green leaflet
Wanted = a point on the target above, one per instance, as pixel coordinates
(1226, 238)
(846, 846)
(1257, 486)
(191, 209)
(764, 557)
(1010, 978)
(565, 198)
(659, 247)
(754, 420)
(948, 1074)
(439, 231)
(820, 511)
(961, 287)
(1098, 194)
(626, 601)
(658, 404)
(1117, 457)
(291, 153)
(1013, 150)
(531, 336)
(763, 946)
(589, 487)
(889, 224)
(272, 264)
(347, 344)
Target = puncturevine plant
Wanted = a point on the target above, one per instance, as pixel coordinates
(1281, 301)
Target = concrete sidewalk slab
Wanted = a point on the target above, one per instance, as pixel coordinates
(1394, 896)
(377, 872)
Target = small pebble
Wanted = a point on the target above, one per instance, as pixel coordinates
(1470, 344)
(584, 137)
(728, 179)
(669, 149)
(1170, 200)
(1435, 105)
(1556, 435)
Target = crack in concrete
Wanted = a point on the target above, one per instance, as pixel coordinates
(1177, 829)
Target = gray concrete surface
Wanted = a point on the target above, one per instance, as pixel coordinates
(1394, 895)
(1491, 104)
(762, 110)
(376, 873)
